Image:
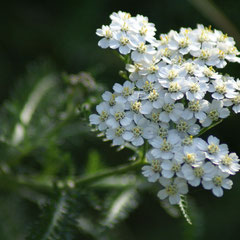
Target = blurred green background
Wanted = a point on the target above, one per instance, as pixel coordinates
(63, 33)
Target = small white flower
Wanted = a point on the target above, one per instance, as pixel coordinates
(203, 56)
(134, 71)
(229, 163)
(115, 17)
(153, 101)
(212, 149)
(175, 88)
(126, 91)
(116, 135)
(185, 127)
(206, 74)
(145, 30)
(172, 189)
(196, 108)
(159, 129)
(152, 171)
(119, 116)
(171, 72)
(165, 147)
(171, 110)
(183, 43)
(123, 43)
(139, 131)
(196, 89)
(121, 22)
(109, 97)
(218, 182)
(100, 120)
(108, 40)
(221, 89)
(194, 175)
(171, 168)
(141, 51)
(151, 66)
(191, 68)
(190, 155)
(235, 102)
(215, 111)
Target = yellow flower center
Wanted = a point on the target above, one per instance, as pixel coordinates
(136, 106)
(213, 148)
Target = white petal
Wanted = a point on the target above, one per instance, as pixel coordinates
(162, 194)
(117, 88)
(110, 134)
(201, 144)
(167, 173)
(217, 191)
(207, 184)
(124, 50)
(106, 96)
(164, 181)
(164, 117)
(126, 121)
(102, 126)
(128, 136)
(120, 99)
(154, 177)
(200, 115)
(111, 122)
(146, 108)
(175, 199)
(166, 165)
(94, 119)
(118, 141)
(227, 184)
(195, 182)
(103, 43)
(156, 153)
(138, 141)
(166, 155)
(224, 113)
(213, 140)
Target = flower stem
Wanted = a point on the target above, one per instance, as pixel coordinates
(109, 172)
(208, 128)
(15, 182)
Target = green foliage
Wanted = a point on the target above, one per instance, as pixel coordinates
(38, 163)
(94, 162)
(120, 206)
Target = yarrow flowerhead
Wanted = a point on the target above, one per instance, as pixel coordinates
(173, 94)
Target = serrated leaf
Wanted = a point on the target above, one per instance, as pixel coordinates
(51, 214)
(35, 97)
(120, 207)
(183, 205)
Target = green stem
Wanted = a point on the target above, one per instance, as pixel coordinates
(208, 128)
(109, 172)
(13, 182)
(125, 58)
(16, 183)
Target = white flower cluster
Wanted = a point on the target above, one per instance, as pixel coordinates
(173, 93)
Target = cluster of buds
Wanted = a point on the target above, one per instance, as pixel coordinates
(173, 94)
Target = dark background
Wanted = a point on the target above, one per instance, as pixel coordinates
(63, 32)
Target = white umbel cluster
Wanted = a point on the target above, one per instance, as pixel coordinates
(173, 93)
